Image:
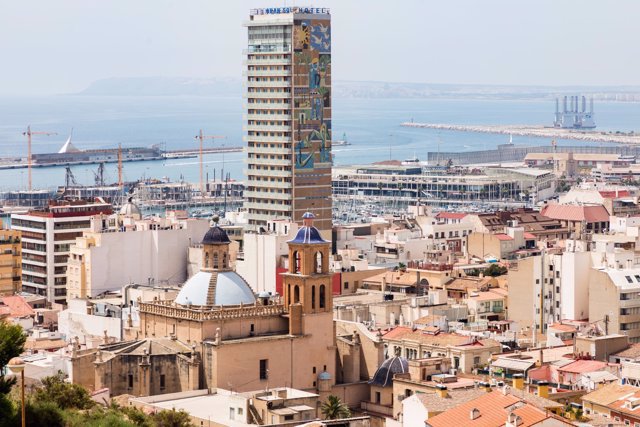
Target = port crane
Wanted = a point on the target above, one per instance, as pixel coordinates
(29, 134)
(201, 137)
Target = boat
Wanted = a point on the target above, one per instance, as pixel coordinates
(341, 142)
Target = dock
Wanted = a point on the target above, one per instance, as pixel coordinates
(536, 132)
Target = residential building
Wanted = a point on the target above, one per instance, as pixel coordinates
(130, 250)
(597, 402)
(579, 218)
(47, 236)
(10, 262)
(288, 99)
(464, 352)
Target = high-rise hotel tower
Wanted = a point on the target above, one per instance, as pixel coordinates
(288, 102)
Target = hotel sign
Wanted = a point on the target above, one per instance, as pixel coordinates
(279, 10)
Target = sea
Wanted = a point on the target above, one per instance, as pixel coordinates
(372, 127)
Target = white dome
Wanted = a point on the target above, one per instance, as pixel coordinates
(229, 288)
(130, 209)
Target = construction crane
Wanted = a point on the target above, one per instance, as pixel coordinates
(120, 183)
(201, 136)
(29, 134)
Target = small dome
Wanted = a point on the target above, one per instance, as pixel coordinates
(130, 208)
(216, 236)
(324, 375)
(308, 215)
(229, 288)
(384, 375)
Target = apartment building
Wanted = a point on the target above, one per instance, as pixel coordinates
(10, 263)
(47, 236)
(288, 101)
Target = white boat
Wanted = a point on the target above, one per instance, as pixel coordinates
(341, 142)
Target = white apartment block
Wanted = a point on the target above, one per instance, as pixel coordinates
(47, 236)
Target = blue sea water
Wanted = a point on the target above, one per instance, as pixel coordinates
(372, 127)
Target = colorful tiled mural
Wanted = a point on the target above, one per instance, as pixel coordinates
(312, 93)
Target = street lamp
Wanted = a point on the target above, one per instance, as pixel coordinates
(16, 365)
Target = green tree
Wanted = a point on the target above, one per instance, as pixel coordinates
(12, 341)
(334, 408)
(54, 389)
(171, 418)
(42, 413)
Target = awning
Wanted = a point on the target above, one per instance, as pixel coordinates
(513, 364)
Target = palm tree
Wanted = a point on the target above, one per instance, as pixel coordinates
(334, 409)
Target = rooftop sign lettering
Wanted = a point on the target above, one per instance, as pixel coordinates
(279, 10)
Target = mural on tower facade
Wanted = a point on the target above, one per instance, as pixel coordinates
(312, 93)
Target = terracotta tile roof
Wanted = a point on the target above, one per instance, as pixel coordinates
(609, 393)
(621, 404)
(582, 366)
(493, 410)
(592, 213)
(633, 352)
(450, 215)
(504, 237)
(562, 328)
(430, 318)
(529, 236)
(442, 339)
(612, 194)
(486, 296)
(18, 306)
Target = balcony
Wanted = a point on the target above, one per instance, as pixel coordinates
(267, 106)
(262, 150)
(267, 116)
(265, 61)
(274, 173)
(268, 206)
(267, 184)
(267, 128)
(269, 162)
(257, 73)
(267, 195)
(268, 95)
(255, 138)
(268, 84)
(261, 217)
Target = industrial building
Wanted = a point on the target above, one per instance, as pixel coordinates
(574, 115)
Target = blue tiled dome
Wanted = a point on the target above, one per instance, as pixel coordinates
(216, 236)
(384, 375)
(308, 234)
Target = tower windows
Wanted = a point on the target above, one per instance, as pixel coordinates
(296, 262)
(296, 294)
(313, 297)
(322, 296)
(206, 260)
(215, 260)
(318, 262)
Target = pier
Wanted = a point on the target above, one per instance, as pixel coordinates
(513, 153)
(536, 132)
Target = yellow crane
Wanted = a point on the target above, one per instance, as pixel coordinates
(201, 136)
(29, 134)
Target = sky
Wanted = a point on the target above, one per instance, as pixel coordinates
(49, 47)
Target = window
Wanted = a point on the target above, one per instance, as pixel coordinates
(240, 411)
(215, 260)
(322, 296)
(264, 369)
(476, 360)
(296, 262)
(232, 413)
(296, 294)
(407, 392)
(162, 381)
(288, 417)
(377, 397)
(130, 380)
(318, 262)
(346, 285)
(313, 297)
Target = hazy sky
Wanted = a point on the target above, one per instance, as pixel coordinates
(63, 45)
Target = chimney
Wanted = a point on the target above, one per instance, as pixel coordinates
(518, 381)
(441, 390)
(474, 414)
(543, 389)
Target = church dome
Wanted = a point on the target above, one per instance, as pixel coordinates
(308, 234)
(384, 375)
(130, 208)
(209, 288)
(216, 236)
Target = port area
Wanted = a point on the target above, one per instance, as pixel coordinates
(536, 132)
(21, 162)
